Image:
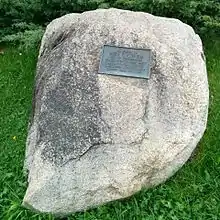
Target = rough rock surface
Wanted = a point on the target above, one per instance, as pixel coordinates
(96, 138)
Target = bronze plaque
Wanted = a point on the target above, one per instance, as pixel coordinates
(125, 61)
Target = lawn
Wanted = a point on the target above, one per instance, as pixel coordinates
(193, 193)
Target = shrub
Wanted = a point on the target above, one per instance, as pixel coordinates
(25, 35)
(23, 19)
(27, 39)
(202, 15)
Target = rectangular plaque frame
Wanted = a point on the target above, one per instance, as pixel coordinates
(125, 61)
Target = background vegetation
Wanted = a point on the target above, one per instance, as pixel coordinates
(24, 20)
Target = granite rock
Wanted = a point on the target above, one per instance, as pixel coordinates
(94, 138)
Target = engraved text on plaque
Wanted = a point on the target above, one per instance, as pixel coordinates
(123, 61)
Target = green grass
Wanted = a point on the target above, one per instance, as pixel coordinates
(193, 193)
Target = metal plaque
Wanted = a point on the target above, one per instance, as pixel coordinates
(125, 61)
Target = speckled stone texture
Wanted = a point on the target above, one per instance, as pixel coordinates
(95, 138)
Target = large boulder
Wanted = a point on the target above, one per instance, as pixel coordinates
(95, 138)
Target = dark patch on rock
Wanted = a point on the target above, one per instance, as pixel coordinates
(69, 113)
(203, 56)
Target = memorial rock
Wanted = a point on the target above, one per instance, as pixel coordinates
(96, 136)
